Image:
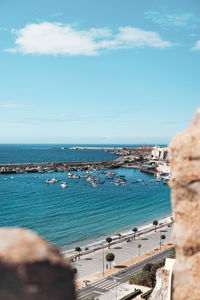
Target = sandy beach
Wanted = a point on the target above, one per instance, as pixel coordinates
(93, 263)
(100, 243)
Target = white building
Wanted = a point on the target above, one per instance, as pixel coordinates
(163, 168)
(160, 153)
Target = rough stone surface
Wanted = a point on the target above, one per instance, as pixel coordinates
(160, 292)
(185, 185)
(32, 269)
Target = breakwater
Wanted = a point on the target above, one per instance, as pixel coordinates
(57, 166)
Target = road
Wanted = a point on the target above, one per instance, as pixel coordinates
(105, 284)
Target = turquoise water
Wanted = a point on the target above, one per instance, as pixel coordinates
(18, 153)
(79, 214)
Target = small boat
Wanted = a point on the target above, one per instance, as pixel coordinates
(140, 180)
(155, 180)
(63, 185)
(109, 176)
(94, 184)
(70, 175)
(90, 178)
(74, 176)
(53, 180)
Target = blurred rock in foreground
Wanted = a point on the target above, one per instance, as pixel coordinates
(185, 184)
(32, 269)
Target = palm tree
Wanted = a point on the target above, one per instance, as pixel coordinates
(162, 238)
(134, 230)
(139, 246)
(110, 257)
(78, 249)
(108, 240)
(155, 223)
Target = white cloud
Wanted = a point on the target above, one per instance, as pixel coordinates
(197, 46)
(58, 39)
(130, 37)
(13, 105)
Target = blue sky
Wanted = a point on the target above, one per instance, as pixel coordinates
(98, 71)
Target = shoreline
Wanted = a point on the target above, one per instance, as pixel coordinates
(125, 234)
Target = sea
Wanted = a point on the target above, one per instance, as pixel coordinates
(79, 214)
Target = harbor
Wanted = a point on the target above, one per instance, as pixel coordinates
(150, 160)
(47, 167)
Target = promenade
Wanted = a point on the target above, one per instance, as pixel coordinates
(116, 285)
(93, 266)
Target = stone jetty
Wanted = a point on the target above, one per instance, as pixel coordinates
(57, 166)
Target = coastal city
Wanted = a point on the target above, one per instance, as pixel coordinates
(99, 150)
(112, 261)
(152, 160)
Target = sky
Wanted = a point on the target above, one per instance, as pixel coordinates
(98, 71)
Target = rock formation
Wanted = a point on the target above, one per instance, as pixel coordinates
(160, 291)
(32, 269)
(185, 184)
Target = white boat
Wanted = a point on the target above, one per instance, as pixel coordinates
(53, 180)
(75, 176)
(63, 185)
(155, 180)
(89, 178)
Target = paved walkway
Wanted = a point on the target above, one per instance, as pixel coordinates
(93, 263)
(128, 263)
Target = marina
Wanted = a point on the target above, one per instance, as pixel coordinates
(84, 211)
(77, 202)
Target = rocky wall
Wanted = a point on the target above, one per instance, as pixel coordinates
(185, 192)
